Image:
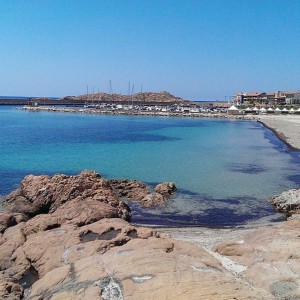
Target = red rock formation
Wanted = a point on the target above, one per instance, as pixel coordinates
(137, 191)
(165, 188)
(148, 97)
(82, 248)
(9, 219)
(44, 194)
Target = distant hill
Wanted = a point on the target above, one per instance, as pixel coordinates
(147, 97)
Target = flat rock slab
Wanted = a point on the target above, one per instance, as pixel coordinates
(144, 269)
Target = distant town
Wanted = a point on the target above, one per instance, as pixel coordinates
(279, 98)
(166, 103)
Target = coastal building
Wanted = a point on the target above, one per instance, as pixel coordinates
(280, 98)
(239, 98)
(255, 97)
(292, 97)
(267, 99)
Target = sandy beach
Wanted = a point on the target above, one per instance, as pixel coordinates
(286, 128)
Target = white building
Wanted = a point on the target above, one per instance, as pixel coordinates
(292, 97)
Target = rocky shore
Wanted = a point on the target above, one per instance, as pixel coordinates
(69, 237)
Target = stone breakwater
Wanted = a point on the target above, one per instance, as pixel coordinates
(136, 112)
(67, 237)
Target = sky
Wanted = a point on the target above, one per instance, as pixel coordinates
(194, 49)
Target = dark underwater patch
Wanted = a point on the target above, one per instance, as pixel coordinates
(186, 192)
(295, 179)
(10, 180)
(231, 200)
(247, 169)
(226, 217)
(211, 217)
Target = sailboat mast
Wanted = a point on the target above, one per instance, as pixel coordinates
(132, 89)
(128, 92)
(110, 91)
(87, 94)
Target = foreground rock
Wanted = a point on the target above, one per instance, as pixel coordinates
(270, 259)
(150, 268)
(9, 289)
(138, 192)
(76, 244)
(110, 257)
(44, 194)
(287, 202)
(9, 219)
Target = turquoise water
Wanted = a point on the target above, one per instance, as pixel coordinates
(224, 170)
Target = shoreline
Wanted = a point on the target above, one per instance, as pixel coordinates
(280, 136)
(208, 236)
(285, 128)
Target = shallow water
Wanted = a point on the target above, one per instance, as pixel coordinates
(224, 170)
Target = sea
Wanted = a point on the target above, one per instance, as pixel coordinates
(225, 170)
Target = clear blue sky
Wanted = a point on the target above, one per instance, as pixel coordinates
(199, 50)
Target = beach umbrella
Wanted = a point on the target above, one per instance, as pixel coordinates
(277, 110)
(270, 110)
(285, 110)
(263, 110)
(255, 109)
(233, 110)
(292, 111)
